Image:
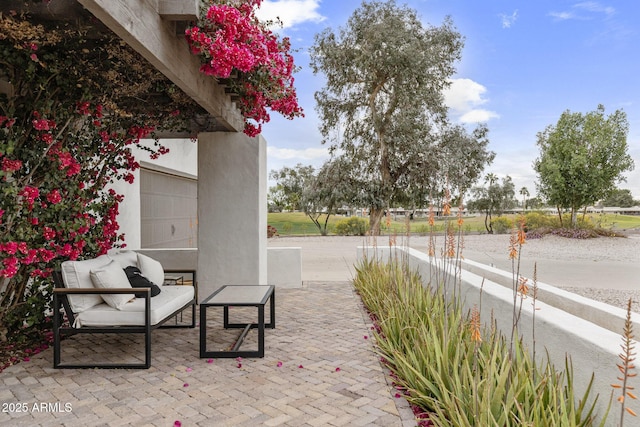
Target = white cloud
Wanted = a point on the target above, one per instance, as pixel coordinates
(478, 116)
(302, 154)
(584, 11)
(290, 12)
(562, 16)
(593, 6)
(463, 97)
(509, 20)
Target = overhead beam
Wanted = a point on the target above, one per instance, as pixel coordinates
(139, 24)
(185, 10)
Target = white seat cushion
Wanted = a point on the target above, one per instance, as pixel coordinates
(112, 276)
(168, 301)
(76, 275)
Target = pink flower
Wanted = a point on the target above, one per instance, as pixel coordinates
(9, 247)
(54, 197)
(9, 165)
(30, 194)
(40, 124)
(48, 233)
(34, 57)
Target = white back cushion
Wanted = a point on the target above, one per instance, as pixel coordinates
(151, 269)
(125, 258)
(112, 276)
(76, 275)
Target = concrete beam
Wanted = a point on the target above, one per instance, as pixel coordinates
(140, 25)
(172, 10)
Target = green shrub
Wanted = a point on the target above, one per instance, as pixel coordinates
(352, 226)
(536, 220)
(502, 225)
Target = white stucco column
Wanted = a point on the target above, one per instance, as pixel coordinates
(232, 211)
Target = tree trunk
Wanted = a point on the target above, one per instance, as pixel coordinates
(559, 215)
(375, 217)
(574, 218)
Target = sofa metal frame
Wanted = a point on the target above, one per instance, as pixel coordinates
(61, 303)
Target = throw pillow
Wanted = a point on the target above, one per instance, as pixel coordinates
(137, 280)
(112, 276)
(151, 269)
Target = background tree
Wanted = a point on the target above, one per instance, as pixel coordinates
(581, 159)
(290, 184)
(535, 203)
(329, 190)
(382, 105)
(493, 198)
(524, 192)
(621, 198)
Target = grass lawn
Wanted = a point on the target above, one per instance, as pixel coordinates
(299, 224)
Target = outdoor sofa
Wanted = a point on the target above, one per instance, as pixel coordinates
(97, 297)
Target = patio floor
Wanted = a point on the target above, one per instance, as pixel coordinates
(318, 370)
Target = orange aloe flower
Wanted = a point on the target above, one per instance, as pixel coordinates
(475, 325)
(513, 246)
(523, 288)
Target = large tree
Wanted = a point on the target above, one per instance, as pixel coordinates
(382, 106)
(581, 158)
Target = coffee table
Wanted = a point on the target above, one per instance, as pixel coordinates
(239, 296)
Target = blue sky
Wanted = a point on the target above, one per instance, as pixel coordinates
(523, 64)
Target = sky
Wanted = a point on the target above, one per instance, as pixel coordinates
(523, 64)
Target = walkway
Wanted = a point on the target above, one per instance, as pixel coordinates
(319, 370)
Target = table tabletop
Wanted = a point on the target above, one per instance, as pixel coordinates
(239, 295)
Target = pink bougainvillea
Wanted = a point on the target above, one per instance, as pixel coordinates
(230, 39)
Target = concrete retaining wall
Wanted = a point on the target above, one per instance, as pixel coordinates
(284, 265)
(559, 333)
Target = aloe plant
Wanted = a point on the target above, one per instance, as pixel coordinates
(460, 379)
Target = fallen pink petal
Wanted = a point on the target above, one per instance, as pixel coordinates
(338, 369)
(209, 360)
(398, 395)
(177, 424)
(279, 364)
(189, 369)
(239, 365)
(186, 385)
(300, 366)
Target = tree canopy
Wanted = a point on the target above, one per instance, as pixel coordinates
(581, 158)
(383, 110)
